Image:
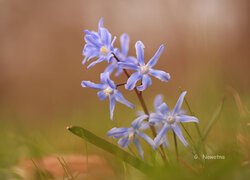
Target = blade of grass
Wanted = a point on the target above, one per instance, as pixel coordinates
(111, 148)
(213, 120)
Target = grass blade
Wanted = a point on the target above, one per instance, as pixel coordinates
(111, 148)
(213, 120)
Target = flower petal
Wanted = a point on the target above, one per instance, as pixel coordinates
(161, 134)
(178, 104)
(111, 67)
(162, 75)
(155, 58)
(105, 79)
(186, 118)
(92, 85)
(105, 36)
(146, 82)
(119, 97)
(178, 132)
(155, 118)
(138, 147)
(92, 40)
(102, 95)
(100, 23)
(124, 142)
(111, 106)
(158, 100)
(147, 139)
(163, 109)
(137, 122)
(139, 46)
(117, 132)
(132, 80)
(131, 66)
(124, 39)
(96, 62)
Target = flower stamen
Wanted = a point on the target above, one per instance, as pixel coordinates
(144, 69)
(104, 50)
(170, 120)
(108, 91)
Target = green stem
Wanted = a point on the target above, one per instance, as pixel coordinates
(176, 146)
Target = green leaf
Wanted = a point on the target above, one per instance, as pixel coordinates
(111, 148)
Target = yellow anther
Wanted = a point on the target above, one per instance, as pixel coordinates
(104, 50)
(108, 91)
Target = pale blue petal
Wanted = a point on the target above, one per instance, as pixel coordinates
(92, 85)
(112, 43)
(144, 126)
(161, 134)
(84, 60)
(139, 46)
(92, 33)
(96, 62)
(131, 59)
(124, 142)
(155, 58)
(136, 123)
(124, 39)
(128, 66)
(132, 80)
(147, 139)
(146, 82)
(117, 132)
(178, 133)
(119, 97)
(102, 95)
(110, 68)
(100, 23)
(155, 118)
(162, 75)
(105, 36)
(92, 40)
(186, 118)
(105, 79)
(118, 72)
(158, 100)
(163, 109)
(111, 106)
(138, 147)
(178, 105)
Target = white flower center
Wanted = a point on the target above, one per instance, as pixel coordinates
(131, 135)
(170, 120)
(108, 91)
(144, 69)
(104, 50)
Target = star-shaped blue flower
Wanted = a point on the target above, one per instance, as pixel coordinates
(170, 120)
(132, 134)
(98, 45)
(144, 71)
(108, 89)
(122, 55)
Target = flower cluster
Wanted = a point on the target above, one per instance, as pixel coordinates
(100, 47)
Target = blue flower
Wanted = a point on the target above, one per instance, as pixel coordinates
(132, 134)
(122, 55)
(108, 89)
(144, 71)
(170, 120)
(98, 45)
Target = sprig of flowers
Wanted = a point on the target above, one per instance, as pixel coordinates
(100, 47)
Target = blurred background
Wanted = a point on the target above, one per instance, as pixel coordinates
(208, 50)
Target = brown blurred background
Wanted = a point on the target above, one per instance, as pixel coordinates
(207, 50)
